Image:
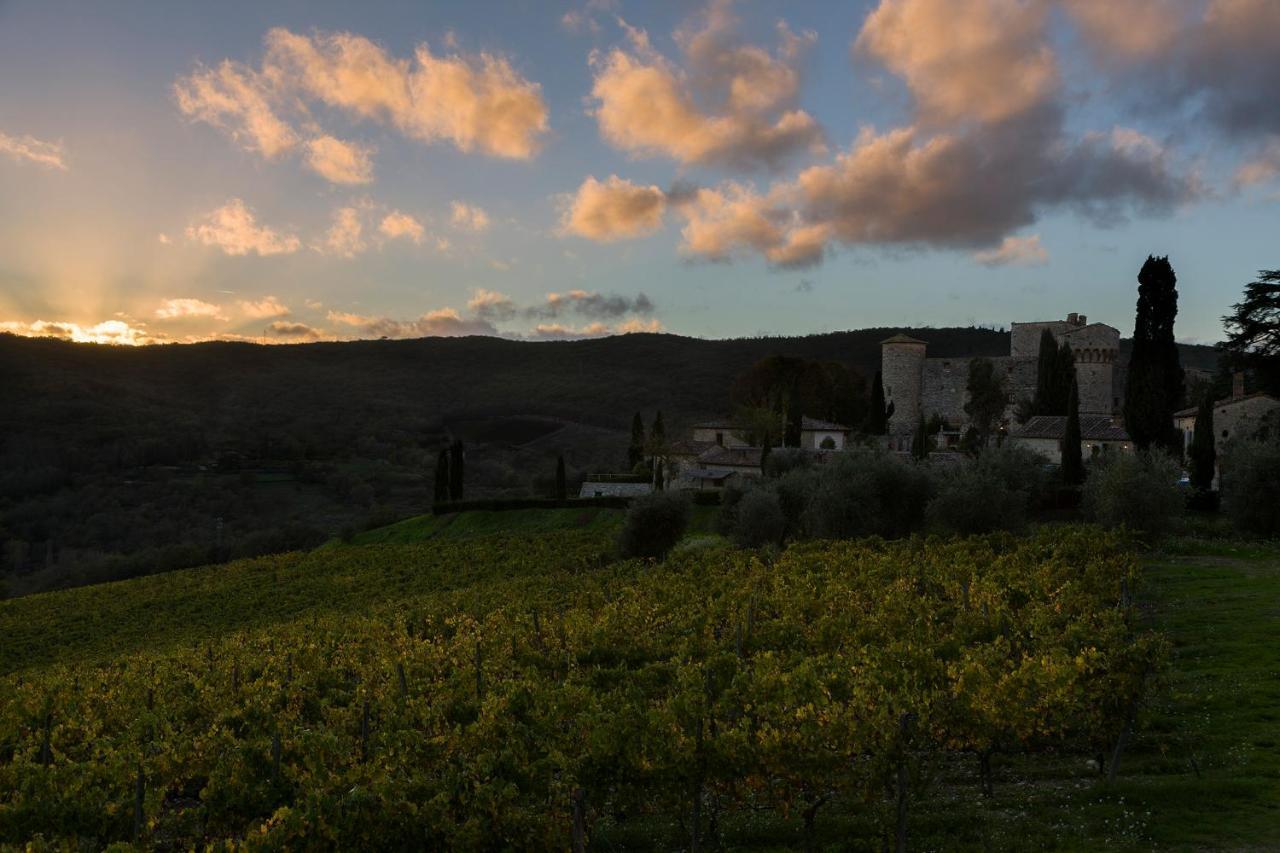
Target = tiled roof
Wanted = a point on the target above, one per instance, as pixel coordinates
(813, 424)
(688, 447)
(622, 490)
(901, 339)
(1092, 428)
(1191, 411)
(723, 423)
(741, 457)
(705, 474)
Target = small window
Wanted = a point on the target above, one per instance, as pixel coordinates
(1224, 433)
(720, 439)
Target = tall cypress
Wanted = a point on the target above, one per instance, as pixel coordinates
(635, 451)
(920, 441)
(658, 436)
(1046, 375)
(1155, 389)
(1064, 376)
(877, 422)
(562, 487)
(456, 457)
(1072, 461)
(1202, 455)
(442, 477)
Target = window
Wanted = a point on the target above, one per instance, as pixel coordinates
(720, 439)
(1224, 433)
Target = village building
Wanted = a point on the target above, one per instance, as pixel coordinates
(1046, 435)
(1239, 416)
(718, 451)
(918, 385)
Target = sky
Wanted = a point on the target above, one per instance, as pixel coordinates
(293, 172)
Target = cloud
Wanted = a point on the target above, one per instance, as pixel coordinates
(1264, 167)
(345, 236)
(234, 229)
(48, 154)
(295, 331)
(613, 210)
(561, 332)
(469, 217)
(115, 332)
(477, 102)
(732, 105)
(591, 305)
(396, 224)
(970, 188)
(340, 162)
(1014, 251)
(264, 308)
(236, 99)
(1132, 30)
(964, 60)
(443, 322)
(173, 309)
(491, 305)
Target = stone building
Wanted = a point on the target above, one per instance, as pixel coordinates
(919, 385)
(1239, 416)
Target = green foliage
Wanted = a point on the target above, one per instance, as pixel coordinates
(1072, 460)
(457, 461)
(1020, 470)
(786, 459)
(1202, 455)
(1138, 491)
(470, 691)
(654, 524)
(1253, 329)
(793, 388)
(442, 476)
(987, 398)
(921, 445)
(1250, 485)
(1154, 388)
(1046, 395)
(864, 493)
(759, 519)
(973, 498)
(877, 421)
(657, 436)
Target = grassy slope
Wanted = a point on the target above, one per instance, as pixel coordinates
(1203, 773)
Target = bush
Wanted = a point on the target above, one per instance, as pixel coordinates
(782, 460)
(1135, 490)
(794, 491)
(759, 519)
(863, 493)
(973, 499)
(1021, 469)
(654, 524)
(1250, 486)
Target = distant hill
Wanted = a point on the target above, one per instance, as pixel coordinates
(121, 460)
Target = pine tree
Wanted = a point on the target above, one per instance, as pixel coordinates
(1072, 461)
(562, 487)
(1046, 375)
(877, 420)
(635, 451)
(456, 457)
(442, 477)
(1155, 389)
(1253, 329)
(1202, 455)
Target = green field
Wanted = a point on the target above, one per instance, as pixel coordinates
(1202, 770)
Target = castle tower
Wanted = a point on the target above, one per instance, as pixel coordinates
(901, 371)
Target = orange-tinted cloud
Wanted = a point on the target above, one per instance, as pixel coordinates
(31, 150)
(615, 209)
(442, 322)
(1014, 251)
(173, 309)
(238, 100)
(234, 229)
(476, 102)
(648, 106)
(264, 308)
(340, 162)
(396, 224)
(116, 332)
(345, 236)
(469, 217)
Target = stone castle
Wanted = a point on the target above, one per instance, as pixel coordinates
(919, 385)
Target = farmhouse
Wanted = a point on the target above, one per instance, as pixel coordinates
(1045, 435)
(1240, 415)
(719, 451)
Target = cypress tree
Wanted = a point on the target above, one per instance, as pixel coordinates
(658, 476)
(455, 471)
(635, 451)
(1046, 375)
(919, 441)
(442, 477)
(1064, 376)
(562, 488)
(658, 436)
(877, 422)
(1203, 453)
(1072, 463)
(1154, 390)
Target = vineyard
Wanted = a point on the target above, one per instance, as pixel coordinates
(532, 693)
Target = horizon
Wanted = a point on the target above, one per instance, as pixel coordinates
(716, 171)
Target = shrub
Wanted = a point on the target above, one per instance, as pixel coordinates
(972, 498)
(1135, 490)
(864, 493)
(1020, 469)
(759, 519)
(794, 491)
(654, 524)
(1250, 486)
(782, 460)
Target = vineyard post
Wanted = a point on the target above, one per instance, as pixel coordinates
(579, 821)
